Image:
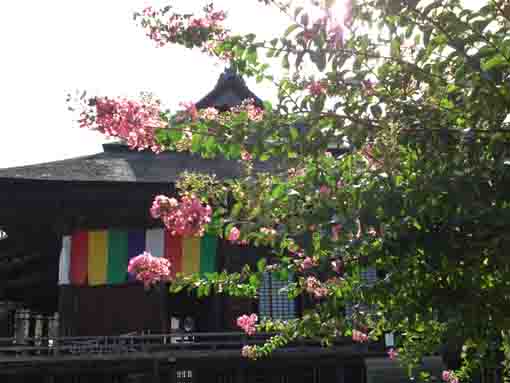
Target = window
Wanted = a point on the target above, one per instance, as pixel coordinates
(184, 376)
(274, 302)
(369, 277)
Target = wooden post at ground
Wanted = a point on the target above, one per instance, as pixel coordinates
(156, 377)
(163, 307)
(340, 374)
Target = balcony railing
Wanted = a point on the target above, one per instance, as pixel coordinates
(132, 343)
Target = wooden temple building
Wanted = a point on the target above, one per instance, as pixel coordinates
(70, 313)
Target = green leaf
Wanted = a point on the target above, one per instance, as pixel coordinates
(290, 29)
(495, 62)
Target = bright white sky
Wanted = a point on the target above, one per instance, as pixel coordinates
(49, 48)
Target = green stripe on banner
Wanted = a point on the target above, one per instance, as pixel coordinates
(208, 254)
(117, 256)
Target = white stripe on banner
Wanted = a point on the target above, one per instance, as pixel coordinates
(65, 261)
(155, 242)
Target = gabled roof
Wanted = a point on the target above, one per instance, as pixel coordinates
(120, 164)
(230, 90)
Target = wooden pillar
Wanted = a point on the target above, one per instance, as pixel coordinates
(216, 301)
(240, 375)
(163, 307)
(340, 374)
(156, 376)
(172, 373)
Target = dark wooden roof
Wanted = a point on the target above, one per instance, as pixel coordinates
(230, 90)
(119, 164)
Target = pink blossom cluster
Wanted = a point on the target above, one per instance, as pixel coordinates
(358, 336)
(333, 20)
(449, 376)
(337, 266)
(185, 218)
(392, 353)
(269, 233)
(247, 323)
(335, 232)
(246, 156)
(249, 352)
(324, 191)
(191, 113)
(205, 32)
(209, 114)
(315, 288)
(134, 121)
(307, 263)
(317, 88)
(234, 234)
(149, 269)
(248, 106)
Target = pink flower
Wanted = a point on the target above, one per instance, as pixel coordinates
(249, 352)
(368, 87)
(268, 232)
(134, 121)
(358, 336)
(246, 156)
(202, 31)
(307, 263)
(186, 218)
(392, 353)
(247, 323)
(190, 110)
(449, 376)
(234, 234)
(316, 88)
(210, 114)
(314, 287)
(337, 266)
(324, 190)
(335, 232)
(149, 269)
(248, 106)
(339, 184)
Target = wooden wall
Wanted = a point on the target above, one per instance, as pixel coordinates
(108, 310)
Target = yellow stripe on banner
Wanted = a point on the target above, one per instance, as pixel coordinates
(190, 255)
(195, 254)
(97, 257)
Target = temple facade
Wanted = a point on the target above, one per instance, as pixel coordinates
(69, 312)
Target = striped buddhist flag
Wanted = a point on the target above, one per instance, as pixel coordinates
(101, 257)
(79, 255)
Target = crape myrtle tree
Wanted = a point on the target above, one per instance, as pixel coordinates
(389, 140)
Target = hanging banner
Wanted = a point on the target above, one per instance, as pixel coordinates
(101, 257)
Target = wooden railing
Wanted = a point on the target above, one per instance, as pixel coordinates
(130, 343)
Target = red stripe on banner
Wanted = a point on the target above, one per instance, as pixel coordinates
(79, 260)
(173, 252)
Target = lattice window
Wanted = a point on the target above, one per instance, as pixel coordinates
(368, 277)
(274, 302)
